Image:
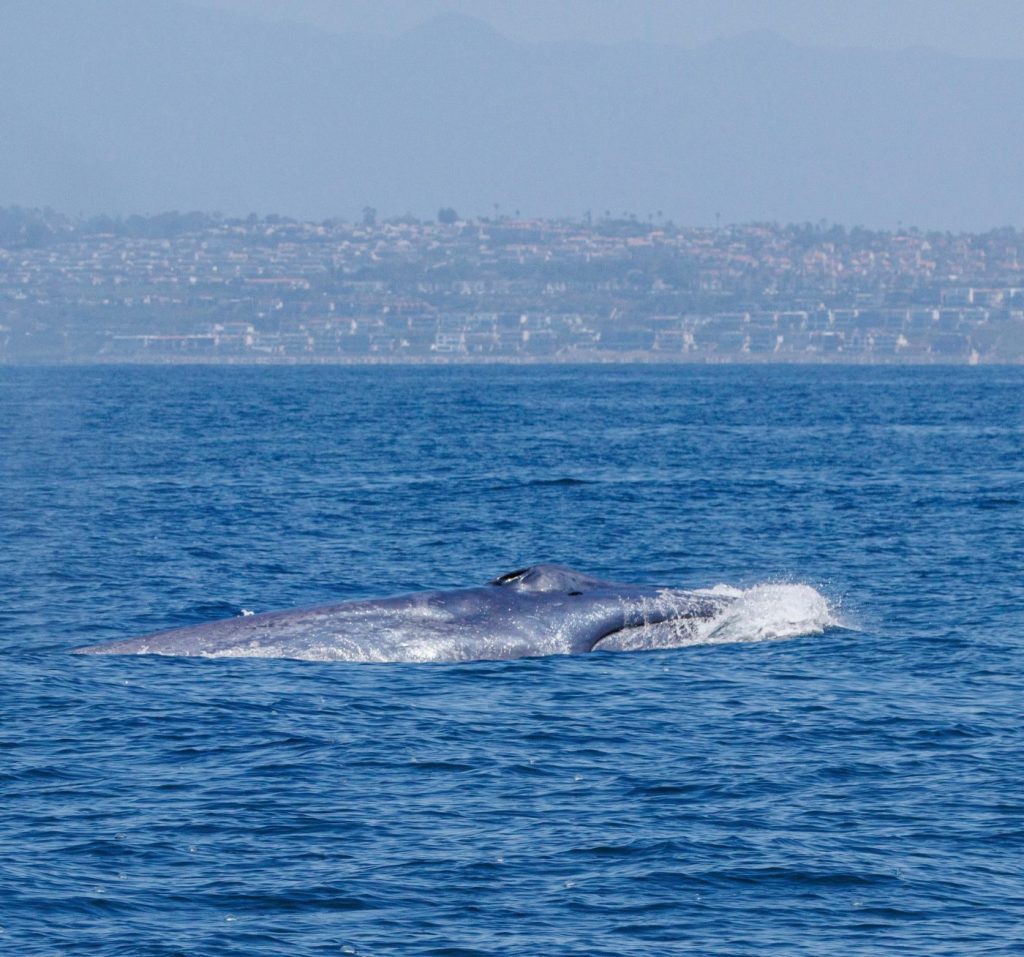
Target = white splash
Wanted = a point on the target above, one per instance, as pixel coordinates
(767, 612)
(761, 613)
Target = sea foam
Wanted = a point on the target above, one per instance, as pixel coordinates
(766, 612)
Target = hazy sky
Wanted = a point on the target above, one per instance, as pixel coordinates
(967, 27)
(146, 105)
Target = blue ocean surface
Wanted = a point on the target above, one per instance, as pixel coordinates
(857, 790)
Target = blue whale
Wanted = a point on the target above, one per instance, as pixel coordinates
(541, 610)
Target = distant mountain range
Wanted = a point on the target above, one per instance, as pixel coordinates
(118, 106)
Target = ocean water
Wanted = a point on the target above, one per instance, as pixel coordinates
(847, 790)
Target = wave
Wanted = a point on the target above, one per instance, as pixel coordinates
(769, 612)
(765, 612)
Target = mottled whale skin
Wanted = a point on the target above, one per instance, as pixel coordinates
(541, 610)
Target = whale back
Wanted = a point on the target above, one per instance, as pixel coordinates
(537, 610)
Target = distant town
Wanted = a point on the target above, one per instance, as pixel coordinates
(205, 288)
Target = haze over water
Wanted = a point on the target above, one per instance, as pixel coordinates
(850, 792)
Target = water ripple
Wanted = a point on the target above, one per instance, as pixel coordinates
(848, 793)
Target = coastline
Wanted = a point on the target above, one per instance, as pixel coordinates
(573, 359)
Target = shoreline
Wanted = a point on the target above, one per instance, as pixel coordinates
(576, 359)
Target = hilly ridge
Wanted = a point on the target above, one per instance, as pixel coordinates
(115, 107)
